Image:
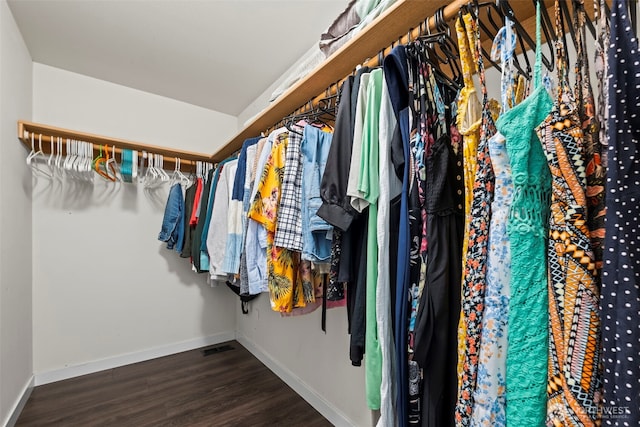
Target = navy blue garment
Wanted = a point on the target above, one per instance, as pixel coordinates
(241, 172)
(396, 74)
(620, 299)
(172, 230)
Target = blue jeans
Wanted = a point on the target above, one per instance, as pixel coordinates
(316, 232)
(172, 230)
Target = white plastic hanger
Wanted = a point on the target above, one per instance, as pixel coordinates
(50, 160)
(68, 161)
(178, 175)
(32, 158)
(165, 175)
(58, 161)
(151, 175)
(32, 153)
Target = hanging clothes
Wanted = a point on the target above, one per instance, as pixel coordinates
(620, 303)
(526, 379)
(289, 227)
(335, 208)
(469, 121)
(282, 264)
(417, 224)
(601, 67)
(368, 186)
(256, 238)
(204, 251)
(475, 269)
(237, 213)
(189, 200)
(489, 397)
(198, 238)
(245, 288)
(352, 237)
(439, 306)
(390, 187)
(397, 77)
(574, 354)
(595, 174)
(358, 231)
(172, 230)
(216, 239)
(195, 212)
(316, 232)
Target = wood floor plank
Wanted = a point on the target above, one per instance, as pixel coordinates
(230, 388)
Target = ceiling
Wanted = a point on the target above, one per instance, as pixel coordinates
(218, 54)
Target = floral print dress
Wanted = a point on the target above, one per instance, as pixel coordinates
(489, 407)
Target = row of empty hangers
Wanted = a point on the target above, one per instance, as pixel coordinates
(75, 159)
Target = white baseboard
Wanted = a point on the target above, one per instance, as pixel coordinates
(127, 359)
(19, 405)
(327, 409)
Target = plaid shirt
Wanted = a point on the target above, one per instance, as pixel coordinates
(289, 225)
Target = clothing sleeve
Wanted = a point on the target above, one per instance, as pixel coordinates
(238, 180)
(368, 181)
(335, 208)
(357, 198)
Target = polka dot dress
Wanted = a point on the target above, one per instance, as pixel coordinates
(620, 301)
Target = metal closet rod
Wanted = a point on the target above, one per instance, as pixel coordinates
(449, 12)
(26, 129)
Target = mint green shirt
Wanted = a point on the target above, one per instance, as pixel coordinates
(369, 188)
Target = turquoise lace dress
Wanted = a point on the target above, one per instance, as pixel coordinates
(528, 334)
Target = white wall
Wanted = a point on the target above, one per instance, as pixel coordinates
(262, 101)
(103, 286)
(318, 362)
(16, 349)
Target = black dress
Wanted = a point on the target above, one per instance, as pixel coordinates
(620, 301)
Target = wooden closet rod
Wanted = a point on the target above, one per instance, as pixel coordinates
(388, 28)
(26, 129)
(450, 12)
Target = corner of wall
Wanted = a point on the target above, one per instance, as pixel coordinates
(16, 332)
(313, 363)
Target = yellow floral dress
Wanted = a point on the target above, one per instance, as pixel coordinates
(468, 123)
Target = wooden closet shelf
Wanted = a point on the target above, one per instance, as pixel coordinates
(26, 129)
(384, 30)
(391, 26)
(402, 19)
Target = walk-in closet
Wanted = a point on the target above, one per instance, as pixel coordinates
(383, 213)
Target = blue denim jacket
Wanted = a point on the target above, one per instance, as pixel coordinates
(172, 230)
(316, 232)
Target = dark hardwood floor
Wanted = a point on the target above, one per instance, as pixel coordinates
(229, 388)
